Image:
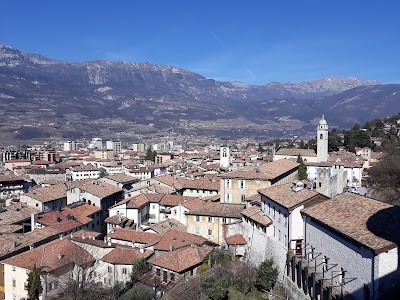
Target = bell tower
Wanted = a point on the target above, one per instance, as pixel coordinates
(322, 140)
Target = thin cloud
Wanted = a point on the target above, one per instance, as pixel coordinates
(251, 74)
(216, 37)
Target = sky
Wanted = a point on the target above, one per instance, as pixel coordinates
(254, 42)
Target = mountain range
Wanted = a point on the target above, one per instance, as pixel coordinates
(42, 97)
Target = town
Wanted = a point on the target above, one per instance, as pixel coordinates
(101, 218)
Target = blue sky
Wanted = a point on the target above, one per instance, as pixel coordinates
(249, 41)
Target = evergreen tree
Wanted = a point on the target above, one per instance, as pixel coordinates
(267, 275)
(103, 173)
(34, 285)
(302, 173)
(149, 154)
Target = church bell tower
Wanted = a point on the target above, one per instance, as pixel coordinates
(322, 140)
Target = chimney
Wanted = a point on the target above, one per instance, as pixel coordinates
(141, 250)
(83, 237)
(61, 236)
(72, 235)
(171, 248)
(105, 240)
(109, 244)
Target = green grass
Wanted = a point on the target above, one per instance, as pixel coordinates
(254, 294)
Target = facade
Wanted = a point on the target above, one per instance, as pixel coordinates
(179, 264)
(46, 198)
(209, 219)
(236, 185)
(308, 155)
(85, 172)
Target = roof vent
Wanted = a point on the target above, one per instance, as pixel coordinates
(257, 170)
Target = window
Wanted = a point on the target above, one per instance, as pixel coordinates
(172, 276)
(210, 219)
(198, 219)
(223, 220)
(242, 198)
(242, 184)
(274, 230)
(174, 212)
(227, 197)
(14, 283)
(279, 234)
(274, 211)
(105, 280)
(124, 271)
(269, 208)
(197, 230)
(210, 232)
(285, 219)
(14, 268)
(279, 215)
(109, 269)
(228, 183)
(158, 271)
(285, 239)
(321, 136)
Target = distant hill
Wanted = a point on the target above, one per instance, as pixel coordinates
(66, 99)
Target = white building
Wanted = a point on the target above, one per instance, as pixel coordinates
(85, 172)
(351, 243)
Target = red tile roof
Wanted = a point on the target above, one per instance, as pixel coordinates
(141, 237)
(126, 256)
(182, 259)
(236, 239)
(256, 214)
(286, 197)
(178, 239)
(349, 215)
(51, 256)
(167, 225)
(218, 210)
(268, 171)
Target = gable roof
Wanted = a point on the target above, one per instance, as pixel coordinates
(349, 214)
(218, 210)
(178, 239)
(236, 239)
(48, 193)
(126, 256)
(141, 237)
(296, 152)
(167, 225)
(256, 214)
(51, 256)
(182, 259)
(268, 171)
(97, 188)
(286, 197)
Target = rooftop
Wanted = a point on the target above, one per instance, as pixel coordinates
(268, 171)
(256, 214)
(349, 214)
(219, 210)
(286, 197)
(167, 225)
(126, 256)
(182, 259)
(177, 239)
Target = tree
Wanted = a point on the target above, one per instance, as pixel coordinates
(150, 155)
(216, 288)
(267, 274)
(103, 173)
(138, 268)
(385, 175)
(137, 293)
(34, 285)
(243, 277)
(302, 173)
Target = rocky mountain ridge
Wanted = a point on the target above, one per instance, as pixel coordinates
(47, 91)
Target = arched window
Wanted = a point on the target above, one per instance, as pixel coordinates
(320, 184)
(321, 136)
